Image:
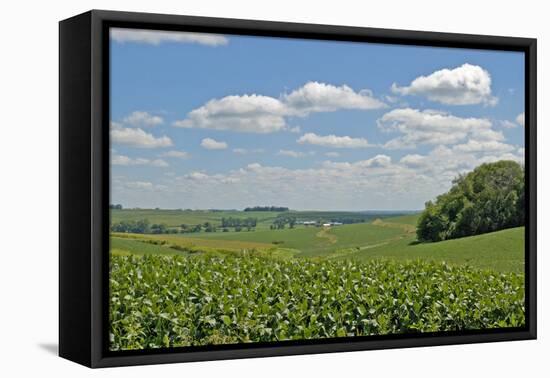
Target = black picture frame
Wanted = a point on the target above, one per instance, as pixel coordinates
(84, 185)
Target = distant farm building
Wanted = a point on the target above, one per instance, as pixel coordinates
(332, 224)
(318, 223)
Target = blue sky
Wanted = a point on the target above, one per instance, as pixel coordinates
(207, 121)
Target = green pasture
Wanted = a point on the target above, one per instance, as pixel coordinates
(502, 251)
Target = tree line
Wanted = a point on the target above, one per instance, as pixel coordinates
(490, 198)
(281, 221)
(267, 208)
(191, 228)
(143, 226)
(239, 223)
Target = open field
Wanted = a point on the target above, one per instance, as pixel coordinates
(236, 245)
(314, 241)
(410, 219)
(130, 246)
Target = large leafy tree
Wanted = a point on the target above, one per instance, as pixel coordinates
(490, 198)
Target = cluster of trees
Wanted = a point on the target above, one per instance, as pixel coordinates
(267, 208)
(188, 228)
(115, 207)
(144, 227)
(490, 198)
(206, 226)
(281, 221)
(162, 229)
(239, 223)
(137, 227)
(141, 226)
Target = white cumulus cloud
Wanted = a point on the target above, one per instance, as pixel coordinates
(248, 113)
(155, 37)
(483, 146)
(377, 182)
(176, 154)
(321, 97)
(142, 119)
(136, 137)
(428, 127)
(212, 144)
(128, 161)
(333, 141)
(139, 185)
(413, 160)
(465, 85)
(507, 124)
(255, 113)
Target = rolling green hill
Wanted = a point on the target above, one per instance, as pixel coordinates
(314, 241)
(501, 250)
(410, 219)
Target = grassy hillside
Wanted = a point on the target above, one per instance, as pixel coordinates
(183, 241)
(314, 241)
(501, 250)
(410, 219)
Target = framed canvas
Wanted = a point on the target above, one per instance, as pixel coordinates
(234, 188)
